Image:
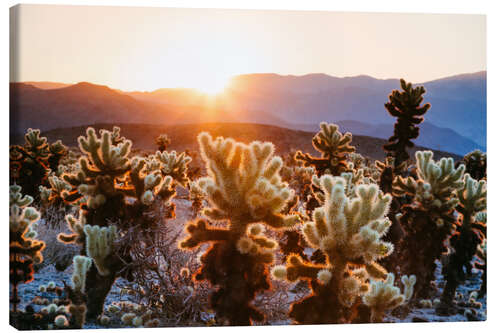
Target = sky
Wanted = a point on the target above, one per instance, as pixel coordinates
(133, 48)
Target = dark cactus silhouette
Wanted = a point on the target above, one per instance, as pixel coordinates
(406, 106)
(469, 234)
(31, 163)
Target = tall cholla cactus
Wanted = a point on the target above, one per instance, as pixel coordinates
(470, 233)
(244, 188)
(24, 250)
(428, 219)
(334, 148)
(118, 190)
(405, 106)
(31, 163)
(348, 231)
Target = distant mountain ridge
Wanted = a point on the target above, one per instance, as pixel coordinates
(456, 121)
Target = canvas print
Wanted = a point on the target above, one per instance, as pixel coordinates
(210, 167)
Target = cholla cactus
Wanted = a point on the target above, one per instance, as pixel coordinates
(196, 196)
(81, 265)
(174, 165)
(348, 231)
(100, 245)
(435, 185)
(31, 163)
(114, 189)
(481, 265)
(54, 194)
(244, 188)
(469, 234)
(475, 164)
(428, 219)
(24, 250)
(405, 106)
(334, 148)
(384, 296)
(162, 141)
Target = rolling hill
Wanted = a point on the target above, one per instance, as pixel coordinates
(184, 137)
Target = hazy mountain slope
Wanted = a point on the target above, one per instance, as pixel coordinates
(85, 103)
(456, 121)
(184, 137)
(47, 84)
(78, 104)
(458, 102)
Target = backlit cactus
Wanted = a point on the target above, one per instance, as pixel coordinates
(31, 163)
(428, 219)
(334, 148)
(24, 250)
(244, 189)
(384, 296)
(348, 232)
(470, 233)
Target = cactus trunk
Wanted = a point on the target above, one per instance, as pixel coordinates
(97, 288)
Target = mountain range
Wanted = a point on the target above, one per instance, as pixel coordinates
(456, 121)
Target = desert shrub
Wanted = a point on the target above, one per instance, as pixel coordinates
(244, 189)
(48, 228)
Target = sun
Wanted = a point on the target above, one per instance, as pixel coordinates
(212, 84)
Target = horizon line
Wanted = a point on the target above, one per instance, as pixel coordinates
(245, 74)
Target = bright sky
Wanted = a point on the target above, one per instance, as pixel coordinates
(149, 48)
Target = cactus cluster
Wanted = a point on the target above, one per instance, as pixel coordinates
(31, 163)
(24, 248)
(117, 192)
